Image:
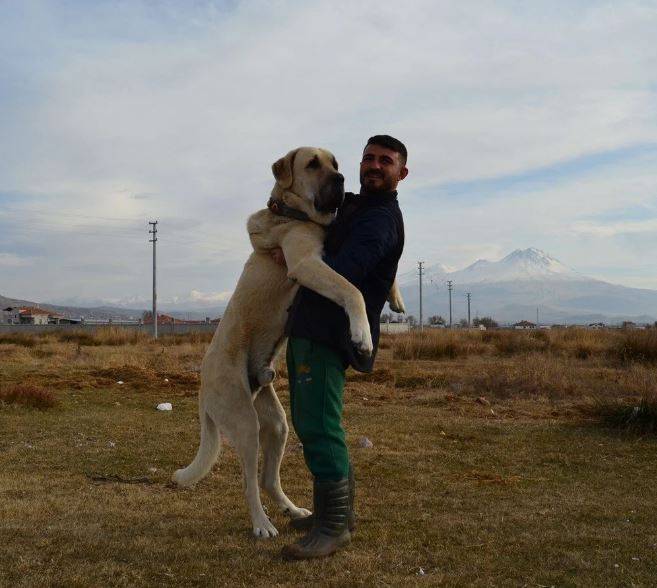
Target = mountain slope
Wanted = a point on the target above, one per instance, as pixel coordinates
(512, 288)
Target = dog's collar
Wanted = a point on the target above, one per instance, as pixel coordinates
(281, 209)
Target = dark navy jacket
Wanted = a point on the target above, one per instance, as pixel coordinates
(363, 244)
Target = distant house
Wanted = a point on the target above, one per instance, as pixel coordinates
(25, 315)
(597, 326)
(31, 315)
(524, 325)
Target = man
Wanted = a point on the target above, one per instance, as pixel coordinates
(363, 244)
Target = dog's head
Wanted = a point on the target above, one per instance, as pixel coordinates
(307, 179)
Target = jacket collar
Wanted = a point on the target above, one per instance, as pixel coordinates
(374, 198)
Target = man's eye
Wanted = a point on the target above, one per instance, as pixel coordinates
(313, 163)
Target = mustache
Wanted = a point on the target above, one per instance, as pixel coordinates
(373, 175)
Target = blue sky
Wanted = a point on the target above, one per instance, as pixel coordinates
(527, 124)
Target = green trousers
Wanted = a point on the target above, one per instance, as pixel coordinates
(317, 377)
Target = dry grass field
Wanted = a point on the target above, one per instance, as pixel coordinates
(499, 458)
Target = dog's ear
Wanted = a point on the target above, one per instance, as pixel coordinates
(283, 169)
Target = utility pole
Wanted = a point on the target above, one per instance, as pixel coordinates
(154, 242)
(420, 270)
(469, 295)
(537, 316)
(449, 288)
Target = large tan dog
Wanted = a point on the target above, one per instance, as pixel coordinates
(237, 397)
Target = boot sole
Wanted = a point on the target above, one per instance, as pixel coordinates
(293, 555)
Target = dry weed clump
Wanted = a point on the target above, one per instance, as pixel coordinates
(533, 375)
(634, 417)
(631, 346)
(110, 336)
(515, 342)
(438, 344)
(422, 380)
(20, 339)
(27, 395)
(378, 376)
(581, 343)
(104, 336)
(194, 338)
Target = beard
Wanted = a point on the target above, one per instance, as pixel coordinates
(376, 182)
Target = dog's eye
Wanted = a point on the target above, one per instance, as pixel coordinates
(313, 163)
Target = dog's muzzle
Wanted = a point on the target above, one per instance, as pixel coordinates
(331, 195)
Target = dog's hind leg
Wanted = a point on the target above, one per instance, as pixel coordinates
(207, 452)
(242, 432)
(273, 435)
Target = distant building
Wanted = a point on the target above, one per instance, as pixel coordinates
(597, 326)
(34, 316)
(25, 315)
(524, 325)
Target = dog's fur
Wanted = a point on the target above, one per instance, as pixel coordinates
(237, 397)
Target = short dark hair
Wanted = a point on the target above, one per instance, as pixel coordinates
(389, 143)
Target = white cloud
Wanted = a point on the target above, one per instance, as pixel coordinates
(613, 229)
(190, 105)
(12, 260)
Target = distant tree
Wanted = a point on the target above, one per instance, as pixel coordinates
(463, 323)
(436, 319)
(486, 321)
(411, 320)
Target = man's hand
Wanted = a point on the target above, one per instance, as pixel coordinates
(277, 256)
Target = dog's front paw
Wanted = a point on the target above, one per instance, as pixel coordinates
(396, 304)
(362, 338)
(297, 512)
(263, 529)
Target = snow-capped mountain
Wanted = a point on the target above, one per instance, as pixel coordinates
(528, 264)
(514, 287)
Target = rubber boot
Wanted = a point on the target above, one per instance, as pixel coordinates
(306, 523)
(329, 532)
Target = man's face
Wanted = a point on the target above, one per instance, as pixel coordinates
(381, 169)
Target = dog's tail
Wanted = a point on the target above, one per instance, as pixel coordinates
(206, 455)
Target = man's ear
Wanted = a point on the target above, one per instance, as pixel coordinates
(403, 173)
(282, 170)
